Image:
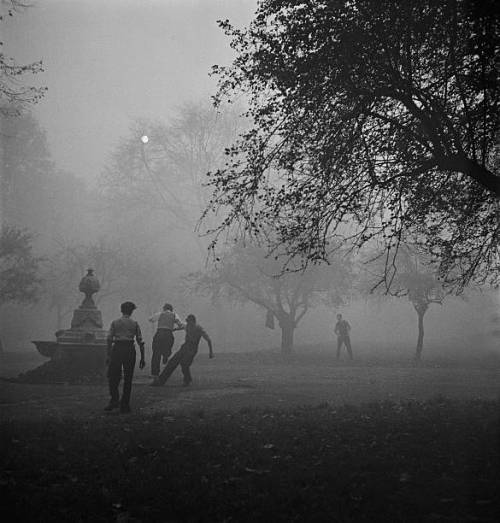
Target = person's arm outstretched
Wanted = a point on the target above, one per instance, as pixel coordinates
(178, 322)
(209, 341)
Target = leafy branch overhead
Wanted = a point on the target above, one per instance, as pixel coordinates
(14, 94)
(372, 121)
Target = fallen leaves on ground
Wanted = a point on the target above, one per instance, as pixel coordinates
(412, 461)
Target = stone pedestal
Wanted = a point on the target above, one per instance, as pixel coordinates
(85, 341)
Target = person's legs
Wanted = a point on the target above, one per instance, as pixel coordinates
(347, 341)
(167, 343)
(171, 365)
(114, 375)
(156, 357)
(186, 373)
(186, 361)
(339, 345)
(129, 357)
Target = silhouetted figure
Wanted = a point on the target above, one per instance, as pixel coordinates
(163, 339)
(342, 330)
(185, 355)
(121, 354)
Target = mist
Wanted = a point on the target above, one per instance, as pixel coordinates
(118, 168)
(118, 71)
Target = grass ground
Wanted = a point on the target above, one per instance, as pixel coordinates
(257, 438)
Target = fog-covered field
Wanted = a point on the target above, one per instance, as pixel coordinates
(261, 379)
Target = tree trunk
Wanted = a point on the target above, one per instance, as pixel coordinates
(287, 328)
(287, 339)
(420, 339)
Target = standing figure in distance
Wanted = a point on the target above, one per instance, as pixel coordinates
(185, 355)
(342, 330)
(121, 354)
(163, 339)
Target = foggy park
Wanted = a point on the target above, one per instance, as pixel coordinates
(249, 261)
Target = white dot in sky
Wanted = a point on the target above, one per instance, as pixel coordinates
(144, 139)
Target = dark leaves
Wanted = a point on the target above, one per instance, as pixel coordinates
(359, 112)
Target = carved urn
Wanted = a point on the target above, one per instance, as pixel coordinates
(86, 339)
(89, 285)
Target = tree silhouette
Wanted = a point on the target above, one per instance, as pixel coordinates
(414, 277)
(371, 120)
(246, 274)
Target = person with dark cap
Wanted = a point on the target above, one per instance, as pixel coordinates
(163, 340)
(185, 355)
(121, 354)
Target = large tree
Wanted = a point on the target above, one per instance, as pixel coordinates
(371, 119)
(245, 274)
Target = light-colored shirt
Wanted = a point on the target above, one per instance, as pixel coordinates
(167, 320)
(125, 329)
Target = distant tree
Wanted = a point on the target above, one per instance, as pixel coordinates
(245, 274)
(414, 277)
(423, 289)
(19, 268)
(27, 168)
(371, 120)
(167, 174)
(14, 95)
(19, 278)
(34, 193)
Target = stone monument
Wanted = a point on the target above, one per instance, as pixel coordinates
(85, 341)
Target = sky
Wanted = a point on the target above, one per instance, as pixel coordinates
(109, 62)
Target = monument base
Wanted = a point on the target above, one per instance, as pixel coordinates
(79, 351)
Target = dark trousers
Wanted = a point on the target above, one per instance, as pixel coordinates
(122, 356)
(163, 342)
(344, 340)
(183, 357)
